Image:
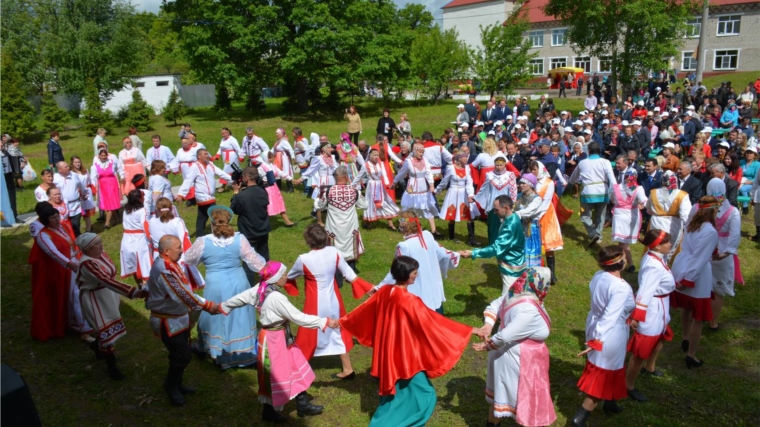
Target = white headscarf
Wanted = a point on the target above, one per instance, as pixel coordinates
(717, 188)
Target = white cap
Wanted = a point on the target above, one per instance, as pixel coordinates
(523, 141)
(707, 129)
(604, 112)
(523, 118)
(669, 145)
(509, 117)
(577, 123)
(724, 144)
(490, 132)
(665, 114)
(656, 108)
(588, 132)
(625, 123)
(460, 106)
(555, 121)
(650, 113)
(583, 113)
(640, 103)
(498, 123)
(465, 125)
(562, 113)
(690, 107)
(689, 113)
(518, 126)
(752, 149)
(568, 129)
(637, 122)
(604, 105)
(605, 122)
(658, 89)
(479, 124)
(588, 122)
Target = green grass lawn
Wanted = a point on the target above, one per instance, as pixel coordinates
(71, 388)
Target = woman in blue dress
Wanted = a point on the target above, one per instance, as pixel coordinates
(528, 208)
(229, 340)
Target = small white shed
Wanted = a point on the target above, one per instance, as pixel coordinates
(155, 90)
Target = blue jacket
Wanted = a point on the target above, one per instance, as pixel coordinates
(55, 152)
(649, 186)
(730, 116)
(689, 132)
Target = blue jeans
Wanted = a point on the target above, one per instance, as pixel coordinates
(744, 191)
(559, 188)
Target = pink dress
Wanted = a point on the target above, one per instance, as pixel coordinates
(276, 203)
(109, 198)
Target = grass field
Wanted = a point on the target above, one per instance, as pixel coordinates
(71, 388)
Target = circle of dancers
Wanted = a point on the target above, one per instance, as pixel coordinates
(691, 253)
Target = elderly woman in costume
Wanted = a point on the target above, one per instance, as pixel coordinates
(229, 340)
(496, 183)
(320, 268)
(166, 222)
(283, 371)
(379, 203)
(419, 194)
(517, 384)
(528, 208)
(99, 293)
(55, 300)
(134, 163)
(651, 317)
(272, 173)
(349, 155)
(725, 264)
(551, 235)
(628, 199)
(692, 271)
(390, 322)
(320, 175)
(284, 156)
(435, 262)
(459, 202)
(612, 302)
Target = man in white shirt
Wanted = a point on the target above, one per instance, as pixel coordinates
(72, 191)
(590, 102)
(255, 148)
(100, 137)
(159, 152)
(202, 177)
(598, 178)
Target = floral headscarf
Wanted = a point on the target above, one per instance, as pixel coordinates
(670, 181)
(535, 285)
(270, 275)
(630, 182)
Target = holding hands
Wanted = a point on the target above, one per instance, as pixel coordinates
(465, 254)
(141, 294)
(333, 323)
(214, 309)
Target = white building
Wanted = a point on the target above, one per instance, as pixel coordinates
(155, 90)
(466, 17)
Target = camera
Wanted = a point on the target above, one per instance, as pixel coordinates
(237, 174)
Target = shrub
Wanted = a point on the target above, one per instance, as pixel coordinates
(93, 115)
(175, 109)
(54, 118)
(139, 113)
(18, 114)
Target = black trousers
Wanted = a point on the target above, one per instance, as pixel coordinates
(10, 183)
(261, 246)
(76, 224)
(354, 137)
(339, 276)
(180, 354)
(200, 222)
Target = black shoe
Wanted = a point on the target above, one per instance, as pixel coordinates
(612, 407)
(94, 347)
(579, 420)
(314, 214)
(113, 371)
(185, 389)
(452, 235)
(348, 377)
(436, 234)
(715, 329)
(471, 235)
(631, 269)
(306, 408)
(175, 396)
(550, 262)
(693, 363)
(684, 345)
(635, 395)
(593, 240)
(654, 373)
(745, 210)
(269, 414)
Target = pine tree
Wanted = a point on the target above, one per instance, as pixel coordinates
(18, 114)
(94, 115)
(138, 113)
(54, 118)
(175, 109)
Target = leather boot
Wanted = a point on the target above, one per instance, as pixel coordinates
(452, 236)
(304, 407)
(271, 415)
(113, 371)
(550, 264)
(185, 389)
(290, 186)
(96, 348)
(579, 420)
(612, 407)
(471, 234)
(173, 378)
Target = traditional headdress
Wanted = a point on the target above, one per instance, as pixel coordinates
(415, 222)
(85, 240)
(630, 182)
(270, 274)
(529, 179)
(535, 285)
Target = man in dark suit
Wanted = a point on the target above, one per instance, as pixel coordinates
(732, 187)
(651, 178)
(688, 182)
(488, 117)
(633, 162)
(514, 157)
(502, 111)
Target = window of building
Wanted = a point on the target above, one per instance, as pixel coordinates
(536, 66)
(688, 61)
(605, 64)
(726, 59)
(693, 27)
(140, 84)
(536, 38)
(729, 25)
(559, 37)
(583, 62)
(557, 62)
(163, 83)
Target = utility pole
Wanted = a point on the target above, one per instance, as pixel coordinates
(702, 36)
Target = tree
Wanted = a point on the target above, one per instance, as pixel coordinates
(54, 118)
(18, 113)
(93, 115)
(138, 113)
(428, 70)
(175, 109)
(634, 34)
(503, 62)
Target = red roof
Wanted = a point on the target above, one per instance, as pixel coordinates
(457, 3)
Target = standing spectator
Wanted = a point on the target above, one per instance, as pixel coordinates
(17, 162)
(72, 191)
(590, 102)
(750, 168)
(386, 125)
(579, 87)
(473, 109)
(136, 141)
(55, 152)
(404, 127)
(100, 138)
(462, 116)
(8, 178)
(105, 175)
(185, 131)
(562, 87)
(354, 123)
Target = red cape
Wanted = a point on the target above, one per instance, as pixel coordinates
(407, 337)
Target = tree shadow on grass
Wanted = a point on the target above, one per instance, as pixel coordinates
(477, 300)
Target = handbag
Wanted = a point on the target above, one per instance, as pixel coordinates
(28, 173)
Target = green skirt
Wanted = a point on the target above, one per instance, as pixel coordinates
(411, 406)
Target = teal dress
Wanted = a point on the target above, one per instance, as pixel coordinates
(230, 340)
(411, 406)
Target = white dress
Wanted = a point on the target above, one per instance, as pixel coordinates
(456, 205)
(379, 203)
(693, 269)
(284, 151)
(230, 153)
(418, 196)
(135, 254)
(342, 223)
(175, 227)
(159, 187)
(626, 216)
(494, 186)
(652, 305)
(320, 173)
(670, 212)
(88, 204)
(611, 304)
(729, 226)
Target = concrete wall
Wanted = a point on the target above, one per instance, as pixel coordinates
(466, 20)
(155, 91)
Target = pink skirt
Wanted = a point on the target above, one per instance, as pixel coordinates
(109, 198)
(276, 203)
(534, 400)
(283, 372)
(130, 170)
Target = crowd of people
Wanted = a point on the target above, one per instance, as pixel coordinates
(656, 174)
